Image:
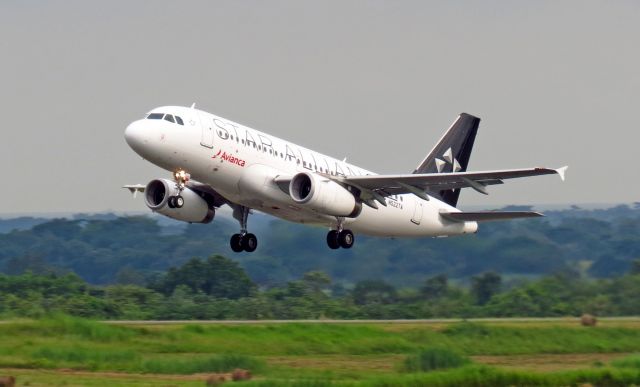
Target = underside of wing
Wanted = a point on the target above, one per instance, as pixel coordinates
(487, 216)
(206, 190)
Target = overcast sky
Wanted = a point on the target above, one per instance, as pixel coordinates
(555, 82)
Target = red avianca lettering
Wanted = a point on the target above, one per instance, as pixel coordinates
(227, 157)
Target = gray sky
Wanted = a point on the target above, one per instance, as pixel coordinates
(555, 82)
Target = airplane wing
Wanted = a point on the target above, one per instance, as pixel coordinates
(378, 186)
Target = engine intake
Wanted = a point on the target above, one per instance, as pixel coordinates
(195, 209)
(323, 195)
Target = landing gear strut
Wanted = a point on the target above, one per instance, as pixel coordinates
(341, 237)
(244, 241)
(181, 178)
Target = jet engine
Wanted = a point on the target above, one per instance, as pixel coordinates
(195, 208)
(323, 195)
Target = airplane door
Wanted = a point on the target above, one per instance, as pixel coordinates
(207, 131)
(417, 214)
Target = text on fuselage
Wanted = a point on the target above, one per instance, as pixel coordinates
(227, 131)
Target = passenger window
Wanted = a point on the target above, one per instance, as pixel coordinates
(179, 120)
(169, 118)
(155, 116)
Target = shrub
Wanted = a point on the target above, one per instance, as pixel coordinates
(433, 359)
(217, 363)
(467, 329)
(83, 357)
(632, 361)
(62, 325)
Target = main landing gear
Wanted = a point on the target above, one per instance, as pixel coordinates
(340, 237)
(244, 241)
(181, 178)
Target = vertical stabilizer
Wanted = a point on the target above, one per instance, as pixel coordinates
(452, 154)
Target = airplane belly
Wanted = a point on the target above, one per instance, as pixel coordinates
(402, 221)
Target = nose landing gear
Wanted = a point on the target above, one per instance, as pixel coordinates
(244, 241)
(176, 201)
(181, 178)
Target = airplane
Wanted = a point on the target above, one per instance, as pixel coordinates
(216, 162)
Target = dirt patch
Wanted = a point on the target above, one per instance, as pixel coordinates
(549, 362)
(115, 375)
(341, 362)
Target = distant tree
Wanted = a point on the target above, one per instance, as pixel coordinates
(484, 286)
(217, 276)
(31, 263)
(62, 228)
(609, 265)
(435, 287)
(130, 276)
(374, 292)
(635, 267)
(316, 281)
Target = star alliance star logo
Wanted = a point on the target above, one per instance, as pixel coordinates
(448, 159)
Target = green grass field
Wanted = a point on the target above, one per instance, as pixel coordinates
(70, 351)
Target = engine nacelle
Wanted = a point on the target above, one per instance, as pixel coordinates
(323, 195)
(195, 209)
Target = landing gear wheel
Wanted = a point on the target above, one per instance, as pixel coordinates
(172, 202)
(243, 241)
(249, 243)
(236, 243)
(346, 239)
(178, 201)
(332, 240)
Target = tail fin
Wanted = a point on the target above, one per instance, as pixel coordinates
(452, 153)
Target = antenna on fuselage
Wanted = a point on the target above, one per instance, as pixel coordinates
(193, 105)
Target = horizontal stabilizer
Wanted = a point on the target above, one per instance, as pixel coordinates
(487, 216)
(135, 188)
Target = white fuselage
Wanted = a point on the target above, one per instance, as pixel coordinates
(242, 164)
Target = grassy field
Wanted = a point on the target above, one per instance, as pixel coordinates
(70, 351)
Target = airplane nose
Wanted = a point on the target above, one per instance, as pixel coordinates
(134, 135)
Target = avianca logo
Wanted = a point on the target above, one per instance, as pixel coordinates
(227, 157)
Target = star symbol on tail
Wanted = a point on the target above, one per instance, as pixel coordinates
(448, 159)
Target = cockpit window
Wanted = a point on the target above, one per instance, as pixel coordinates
(167, 117)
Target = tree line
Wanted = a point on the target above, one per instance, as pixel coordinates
(218, 288)
(107, 249)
